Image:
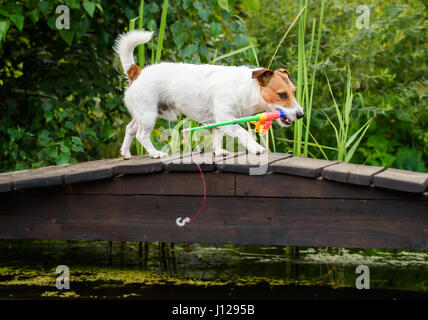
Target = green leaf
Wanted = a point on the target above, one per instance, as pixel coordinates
(4, 26)
(215, 29)
(100, 8)
(47, 106)
(64, 149)
(4, 12)
(53, 152)
(204, 14)
(190, 50)
(48, 116)
(77, 145)
(69, 125)
(43, 138)
(89, 132)
(109, 133)
(180, 40)
(34, 15)
(44, 5)
(89, 7)
(18, 20)
(224, 4)
(74, 4)
(67, 35)
(63, 158)
(252, 5)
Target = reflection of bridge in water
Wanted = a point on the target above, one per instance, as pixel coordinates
(300, 201)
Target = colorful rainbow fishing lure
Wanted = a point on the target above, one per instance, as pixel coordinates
(262, 121)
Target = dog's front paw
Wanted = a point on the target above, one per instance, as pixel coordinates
(126, 155)
(221, 153)
(158, 154)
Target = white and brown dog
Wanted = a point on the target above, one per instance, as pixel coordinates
(204, 93)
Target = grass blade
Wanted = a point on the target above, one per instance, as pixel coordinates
(232, 53)
(309, 103)
(351, 139)
(141, 51)
(285, 35)
(161, 31)
(356, 144)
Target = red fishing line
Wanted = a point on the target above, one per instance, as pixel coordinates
(182, 222)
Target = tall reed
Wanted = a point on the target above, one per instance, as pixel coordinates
(346, 147)
(161, 31)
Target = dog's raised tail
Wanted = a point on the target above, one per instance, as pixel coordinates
(125, 44)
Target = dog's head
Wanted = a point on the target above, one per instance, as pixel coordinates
(278, 91)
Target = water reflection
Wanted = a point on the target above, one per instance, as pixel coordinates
(29, 264)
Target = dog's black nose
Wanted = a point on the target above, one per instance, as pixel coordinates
(299, 115)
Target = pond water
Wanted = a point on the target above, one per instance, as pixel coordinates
(102, 269)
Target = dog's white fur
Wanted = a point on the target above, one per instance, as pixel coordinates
(204, 93)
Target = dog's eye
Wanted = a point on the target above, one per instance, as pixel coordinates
(282, 95)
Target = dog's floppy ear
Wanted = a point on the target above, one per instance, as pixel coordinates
(263, 76)
(286, 72)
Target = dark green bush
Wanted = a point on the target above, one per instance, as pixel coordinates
(61, 91)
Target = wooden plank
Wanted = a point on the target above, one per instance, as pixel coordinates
(32, 178)
(90, 171)
(5, 184)
(207, 161)
(252, 164)
(306, 222)
(160, 183)
(176, 162)
(145, 164)
(57, 175)
(351, 173)
(402, 180)
(275, 156)
(139, 165)
(288, 186)
(301, 166)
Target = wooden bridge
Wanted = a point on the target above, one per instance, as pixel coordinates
(299, 201)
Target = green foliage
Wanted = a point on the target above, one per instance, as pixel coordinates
(61, 90)
(388, 63)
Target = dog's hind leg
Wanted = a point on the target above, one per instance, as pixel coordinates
(130, 132)
(145, 127)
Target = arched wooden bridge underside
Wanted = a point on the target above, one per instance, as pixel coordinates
(299, 201)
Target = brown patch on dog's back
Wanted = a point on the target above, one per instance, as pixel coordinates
(133, 72)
